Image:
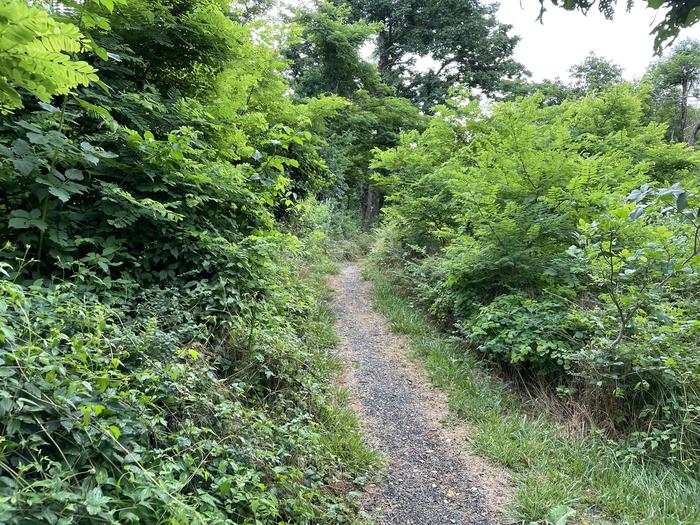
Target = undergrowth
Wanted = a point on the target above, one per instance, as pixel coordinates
(163, 335)
(562, 242)
(558, 478)
(137, 410)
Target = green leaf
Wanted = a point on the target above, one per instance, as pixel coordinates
(38, 138)
(95, 501)
(74, 174)
(637, 212)
(24, 166)
(115, 431)
(49, 107)
(61, 193)
(560, 515)
(22, 219)
(94, 108)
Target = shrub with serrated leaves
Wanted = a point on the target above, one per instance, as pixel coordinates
(162, 350)
(553, 239)
(136, 411)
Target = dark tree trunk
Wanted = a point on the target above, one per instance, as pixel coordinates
(371, 203)
(384, 52)
(684, 108)
(693, 133)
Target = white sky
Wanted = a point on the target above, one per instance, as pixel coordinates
(566, 37)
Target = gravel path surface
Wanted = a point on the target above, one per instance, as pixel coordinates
(431, 479)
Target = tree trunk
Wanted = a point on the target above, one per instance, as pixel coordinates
(371, 203)
(384, 52)
(684, 108)
(693, 133)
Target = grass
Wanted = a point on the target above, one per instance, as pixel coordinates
(341, 435)
(552, 472)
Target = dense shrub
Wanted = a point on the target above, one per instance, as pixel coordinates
(162, 338)
(543, 333)
(138, 412)
(561, 239)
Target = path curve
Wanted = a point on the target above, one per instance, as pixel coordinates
(431, 479)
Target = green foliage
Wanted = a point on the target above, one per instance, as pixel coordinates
(123, 413)
(592, 75)
(554, 468)
(70, 202)
(545, 334)
(326, 59)
(178, 44)
(38, 55)
(673, 79)
(595, 74)
(551, 239)
(249, 10)
(462, 37)
(163, 337)
(336, 231)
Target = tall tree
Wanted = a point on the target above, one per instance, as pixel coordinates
(591, 76)
(248, 10)
(425, 48)
(594, 74)
(553, 91)
(326, 58)
(675, 79)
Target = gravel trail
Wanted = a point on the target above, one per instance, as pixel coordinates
(431, 479)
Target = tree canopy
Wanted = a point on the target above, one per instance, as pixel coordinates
(425, 48)
(326, 58)
(595, 74)
(675, 84)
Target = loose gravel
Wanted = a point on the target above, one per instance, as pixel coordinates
(431, 478)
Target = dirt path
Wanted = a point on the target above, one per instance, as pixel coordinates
(431, 478)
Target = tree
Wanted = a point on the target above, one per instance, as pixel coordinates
(424, 48)
(175, 44)
(679, 14)
(675, 79)
(248, 10)
(326, 59)
(553, 91)
(594, 74)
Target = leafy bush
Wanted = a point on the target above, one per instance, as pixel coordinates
(120, 415)
(562, 239)
(545, 334)
(163, 342)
